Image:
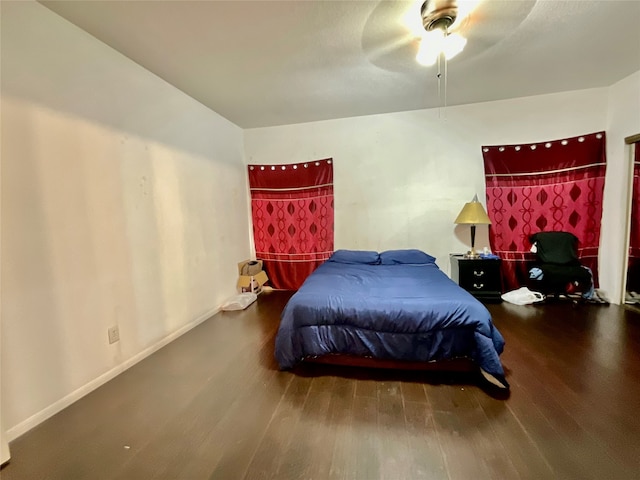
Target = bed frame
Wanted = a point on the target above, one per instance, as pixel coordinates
(452, 365)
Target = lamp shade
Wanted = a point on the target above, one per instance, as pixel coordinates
(473, 213)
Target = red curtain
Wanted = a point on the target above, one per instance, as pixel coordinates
(633, 270)
(547, 186)
(292, 213)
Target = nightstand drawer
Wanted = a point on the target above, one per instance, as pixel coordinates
(480, 277)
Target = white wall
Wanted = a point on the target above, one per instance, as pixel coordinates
(123, 203)
(402, 178)
(623, 121)
(5, 454)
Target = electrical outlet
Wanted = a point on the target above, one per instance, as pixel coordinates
(114, 334)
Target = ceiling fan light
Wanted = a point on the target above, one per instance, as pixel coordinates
(452, 45)
(426, 57)
(431, 45)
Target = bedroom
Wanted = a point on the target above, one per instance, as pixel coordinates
(112, 215)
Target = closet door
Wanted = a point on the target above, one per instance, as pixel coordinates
(632, 294)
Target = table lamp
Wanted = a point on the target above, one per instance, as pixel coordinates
(473, 213)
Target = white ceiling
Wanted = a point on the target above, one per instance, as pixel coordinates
(265, 63)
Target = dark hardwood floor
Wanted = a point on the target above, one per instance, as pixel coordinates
(212, 404)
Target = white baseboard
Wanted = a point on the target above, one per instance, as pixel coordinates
(76, 395)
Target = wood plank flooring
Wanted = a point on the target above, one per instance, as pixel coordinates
(213, 405)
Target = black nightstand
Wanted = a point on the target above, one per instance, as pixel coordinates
(480, 277)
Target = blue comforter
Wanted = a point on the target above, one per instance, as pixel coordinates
(403, 312)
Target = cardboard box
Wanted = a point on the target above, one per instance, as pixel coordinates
(249, 267)
(251, 276)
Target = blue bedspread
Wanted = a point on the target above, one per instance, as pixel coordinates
(402, 312)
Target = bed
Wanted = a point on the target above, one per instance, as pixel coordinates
(391, 306)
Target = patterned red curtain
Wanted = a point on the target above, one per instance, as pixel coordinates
(548, 186)
(292, 213)
(633, 270)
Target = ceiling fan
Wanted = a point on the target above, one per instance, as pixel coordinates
(441, 28)
(396, 30)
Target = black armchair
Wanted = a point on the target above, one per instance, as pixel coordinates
(557, 270)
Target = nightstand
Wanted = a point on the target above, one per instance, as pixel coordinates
(480, 277)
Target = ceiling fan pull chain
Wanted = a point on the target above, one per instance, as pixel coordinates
(445, 82)
(446, 34)
(439, 75)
